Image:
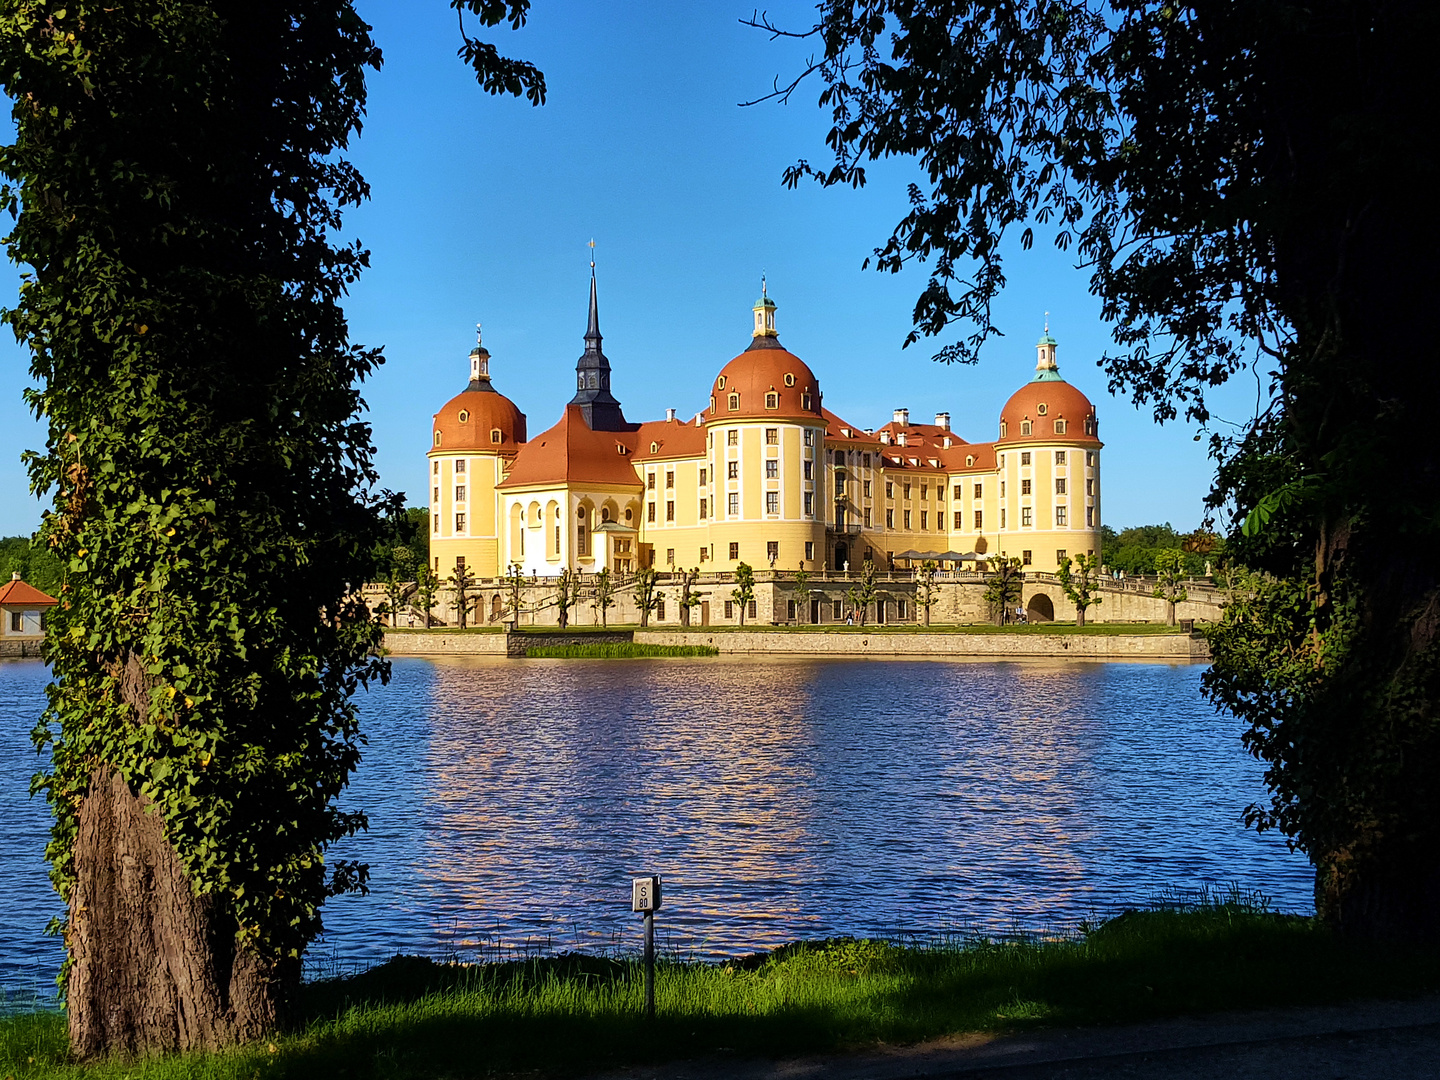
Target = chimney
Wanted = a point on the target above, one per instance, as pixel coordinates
(15, 575)
(900, 438)
(942, 421)
(669, 416)
(902, 417)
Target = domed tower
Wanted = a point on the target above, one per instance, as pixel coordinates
(474, 437)
(765, 449)
(1048, 459)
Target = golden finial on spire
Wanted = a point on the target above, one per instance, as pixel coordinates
(592, 253)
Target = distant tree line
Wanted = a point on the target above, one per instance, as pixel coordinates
(20, 554)
(1135, 550)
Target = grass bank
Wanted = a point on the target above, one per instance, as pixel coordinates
(871, 630)
(615, 650)
(574, 1014)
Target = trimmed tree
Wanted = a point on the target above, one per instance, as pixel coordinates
(863, 593)
(926, 592)
(398, 580)
(1170, 579)
(802, 594)
(744, 590)
(602, 595)
(567, 595)
(461, 582)
(689, 598)
(427, 587)
(515, 589)
(1003, 585)
(647, 596)
(1079, 577)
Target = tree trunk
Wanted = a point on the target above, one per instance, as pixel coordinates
(154, 967)
(1079, 615)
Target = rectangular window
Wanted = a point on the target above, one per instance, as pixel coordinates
(836, 613)
(866, 491)
(1002, 517)
(1025, 519)
(1090, 517)
(1060, 485)
(1089, 487)
(459, 523)
(772, 469)
(650, 481)
(752, 609)
(557, 540)
(669, 556)
(924, 491)
(924, 519)
(436, 497)
(867, 517)
(959, 491)
(704, 509)
(866, 460)
(907, 491)
(889, 519)
(660, 610)
(1090, 458)
(460, 493)
(459, 563)
(1025, 457)
(1059, 430)
(907, 519)
(704, 552)
(959, 519)
(772, 436)
(732, 470)
(772, 502)
(979, 520)
(732, 437)
(809, 437)
(809, 549)
(732, 504)
(809, 468)
(900, 608)
(1002, 489)
(729, 609)
(790, 610)
(734, 551)
(1060, 515)
(1025, 558)
(436, 468)
(809, 504)
(772, 550)
(650, 511)
(840, 480)
(1059, 457)
(979, 491)
(889, 490)
(702, 477)
(1024, 487)
(670, 479)
(1059, 556)
(670, 510)
(460, 465)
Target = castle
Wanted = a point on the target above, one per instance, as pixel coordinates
(763, 474)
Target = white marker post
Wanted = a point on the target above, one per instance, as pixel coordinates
(645, 898)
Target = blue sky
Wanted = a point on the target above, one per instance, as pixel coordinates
(482, 208)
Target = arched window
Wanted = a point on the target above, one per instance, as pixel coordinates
(495, 435)
(1002, 429)
(437, 438)
(720, 383)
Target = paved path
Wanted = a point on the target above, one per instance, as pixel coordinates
(1358, 1041)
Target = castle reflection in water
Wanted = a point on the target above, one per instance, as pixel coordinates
(510, 801)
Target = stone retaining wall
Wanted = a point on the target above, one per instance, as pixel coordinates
(999, 646)
(808, 643)
(28, 648)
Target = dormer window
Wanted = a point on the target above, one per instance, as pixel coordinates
(464, 417)
(720, 383)
(1089, 425)
(789, 379)
(734, 402)
(1042, 408)
(496, 435)
(805, 402)
(1024, 427)
(437, 438)
(1002, 429)
(621, 449)
(654, 447)
(772, 400)
(1059, 427)
(969, 460)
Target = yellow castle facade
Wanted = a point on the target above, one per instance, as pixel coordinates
(762, 474)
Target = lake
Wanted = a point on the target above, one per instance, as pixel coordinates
(511, 801)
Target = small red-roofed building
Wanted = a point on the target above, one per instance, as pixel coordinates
(22, 616)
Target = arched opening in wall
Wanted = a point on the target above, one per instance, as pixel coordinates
(1040, 609)
(534, 515)
(497, 608)
(552, 514)
(842, 556)
(582, 529)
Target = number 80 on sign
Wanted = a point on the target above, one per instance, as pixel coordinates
(645, 893)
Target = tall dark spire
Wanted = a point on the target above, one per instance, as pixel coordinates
(592, 375)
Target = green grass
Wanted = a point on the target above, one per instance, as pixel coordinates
(573, 1014)
(615, 650)
(444, 630)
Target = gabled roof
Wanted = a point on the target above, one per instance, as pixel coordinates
(16, 593)
(671, 439)
(571, 452)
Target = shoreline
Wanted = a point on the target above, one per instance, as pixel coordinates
(849, 644)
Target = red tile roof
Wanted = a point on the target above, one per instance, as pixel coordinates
(571, 452)
(671, 439)
(16, 593)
